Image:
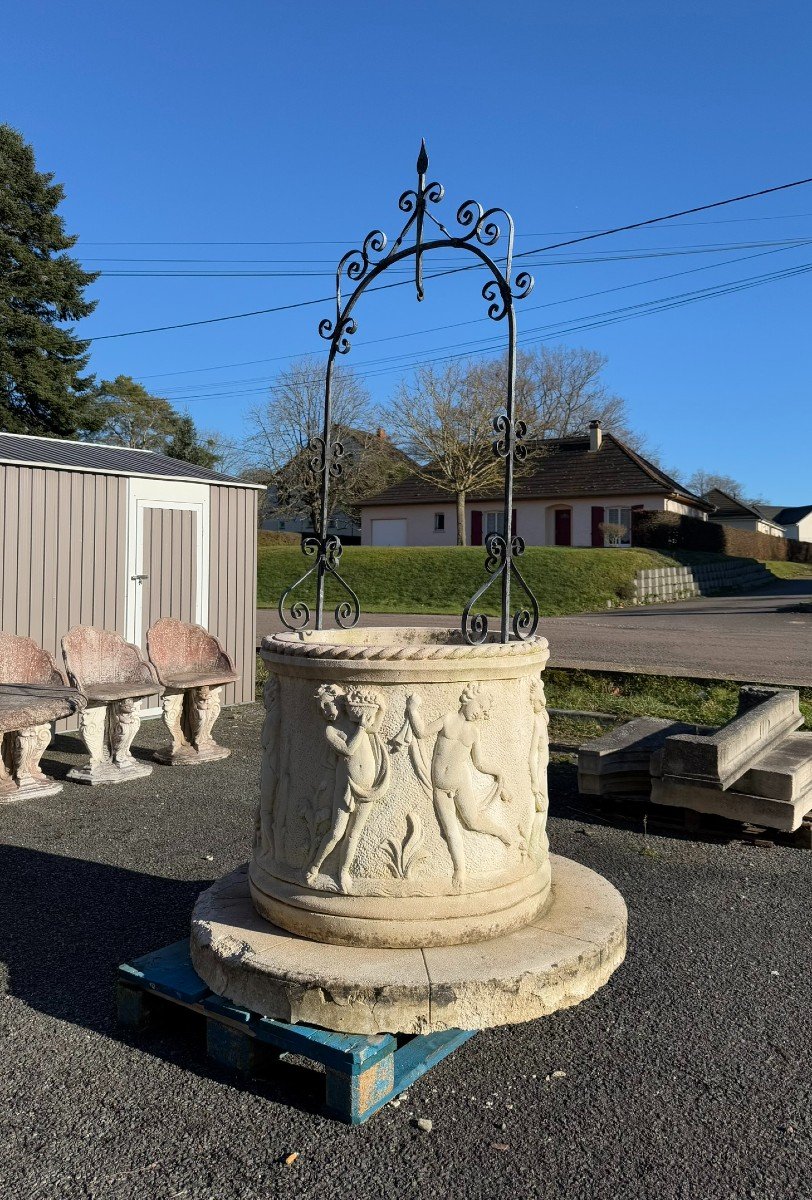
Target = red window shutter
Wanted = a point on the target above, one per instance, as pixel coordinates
(513, 523)
(598, 517)
(476, 527)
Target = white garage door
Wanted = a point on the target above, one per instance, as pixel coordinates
(389, 532)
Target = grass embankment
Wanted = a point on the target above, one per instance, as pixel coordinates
(700, 701)
(790, 570)
(442, 580)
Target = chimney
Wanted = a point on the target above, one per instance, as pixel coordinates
(595, 436)
(381, 433)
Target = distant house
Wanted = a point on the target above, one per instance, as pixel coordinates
(280, 519)
(796, 522)
(572, 488)
(728, 510)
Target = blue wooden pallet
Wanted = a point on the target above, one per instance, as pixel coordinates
(363, 1073)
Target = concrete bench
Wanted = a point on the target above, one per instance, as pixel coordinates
(192, 667)
(115, 677)
(33, 694)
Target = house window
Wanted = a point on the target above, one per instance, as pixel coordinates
(619, 521)
(494, 523)
(439, 522)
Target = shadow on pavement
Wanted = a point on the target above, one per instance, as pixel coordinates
(66, 926)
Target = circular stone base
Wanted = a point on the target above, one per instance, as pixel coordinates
(387, 922)
(564, 956)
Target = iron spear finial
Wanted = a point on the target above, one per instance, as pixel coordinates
(422, 158)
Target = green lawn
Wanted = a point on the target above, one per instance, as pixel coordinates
(442, 580)
(702, 701)
(790, 570)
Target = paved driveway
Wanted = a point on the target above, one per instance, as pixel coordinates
(756, 638)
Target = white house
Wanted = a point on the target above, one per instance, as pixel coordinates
(569, 489)
(728, 510)
(795, 522)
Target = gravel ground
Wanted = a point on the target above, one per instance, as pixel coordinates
(687, 1076)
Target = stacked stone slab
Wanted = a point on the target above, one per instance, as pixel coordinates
(683, 583)
(757, 768)
(619, 762)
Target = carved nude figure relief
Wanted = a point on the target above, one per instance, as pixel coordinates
(269, 770)
(539, 761)
(457, 755)
(358, 774)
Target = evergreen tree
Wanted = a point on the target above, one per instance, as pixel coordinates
(185, 443)
(42, 386)
(132, 416)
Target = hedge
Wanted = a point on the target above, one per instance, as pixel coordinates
(673, 531)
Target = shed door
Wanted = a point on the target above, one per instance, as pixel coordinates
(390, 532)
(168, 559)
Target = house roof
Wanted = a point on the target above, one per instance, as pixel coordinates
(786, 516)
(727, 506)
(566, 468)
(102, 459)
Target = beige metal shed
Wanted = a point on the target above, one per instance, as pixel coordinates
(103, 535)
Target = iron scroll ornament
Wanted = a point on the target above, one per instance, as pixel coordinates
(480, 229)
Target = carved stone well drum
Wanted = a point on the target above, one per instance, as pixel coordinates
(400, 878)
(403, 792)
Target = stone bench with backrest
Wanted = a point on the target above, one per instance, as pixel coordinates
(115, 677)
(192, 667)
(32, 695)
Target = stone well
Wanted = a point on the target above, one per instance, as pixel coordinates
(400, 877)
(403, 795)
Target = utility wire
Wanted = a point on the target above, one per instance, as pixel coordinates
(345, 241)
(555, 330)
(524, 254)
(453, 325)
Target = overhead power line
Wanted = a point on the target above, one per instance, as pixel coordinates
(782, 187)
(346, 241)
(554, 330)
(394, 337)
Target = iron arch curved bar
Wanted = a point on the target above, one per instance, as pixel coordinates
(481, 229)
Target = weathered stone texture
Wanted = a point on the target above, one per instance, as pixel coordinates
(192, 667)
(114, 676)
(559, 960)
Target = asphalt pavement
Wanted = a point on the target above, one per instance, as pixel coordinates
(759, 637)
(685, 1078)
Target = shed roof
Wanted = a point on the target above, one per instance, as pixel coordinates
(561, 468)
(100, 458)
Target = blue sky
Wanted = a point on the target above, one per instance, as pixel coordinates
(289, 130)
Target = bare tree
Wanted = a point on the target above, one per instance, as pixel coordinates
(702, 482)
(278, 448)
(443, 417)
(560, 389)
(444, 414)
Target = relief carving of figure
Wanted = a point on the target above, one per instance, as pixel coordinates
(457, 756)
(358, 775)
(539, 761)
(269, 770)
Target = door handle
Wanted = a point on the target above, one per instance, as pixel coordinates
(139, 578)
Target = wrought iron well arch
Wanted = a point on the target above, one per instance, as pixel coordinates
(326, 452)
